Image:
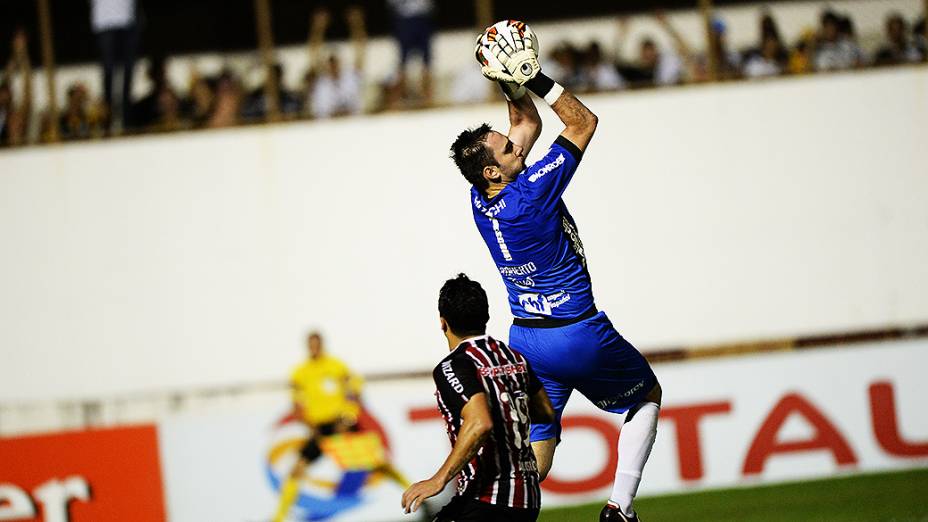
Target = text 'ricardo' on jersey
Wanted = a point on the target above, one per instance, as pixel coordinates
(534, 240)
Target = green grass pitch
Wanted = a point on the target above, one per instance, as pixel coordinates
(885, 497)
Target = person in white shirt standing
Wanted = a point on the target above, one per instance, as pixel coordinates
(115, 24)
(335, 90)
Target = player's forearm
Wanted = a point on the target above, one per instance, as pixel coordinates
(470, 440)
(580, 122)
(525, 123)
(523, 114)
(574, 114)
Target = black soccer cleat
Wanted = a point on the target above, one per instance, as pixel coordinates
(611, 513)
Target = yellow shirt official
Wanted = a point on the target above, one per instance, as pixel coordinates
(326, 390)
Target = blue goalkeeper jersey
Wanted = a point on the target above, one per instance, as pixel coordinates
(534, 241)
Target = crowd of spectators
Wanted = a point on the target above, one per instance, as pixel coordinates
(832, 46)
(331, 88)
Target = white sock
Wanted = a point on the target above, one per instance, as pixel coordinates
(635, 441)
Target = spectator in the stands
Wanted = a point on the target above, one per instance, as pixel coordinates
(225, 112)
(653, 66)
(802, 56)
(848, 36)
(75, 121)
(769, 58)
(145, 109)
(897, 48)
(201, 97)
(256, 103)
(115, 24)
(15, 116)
(836, 48)
(728, 60)
(769, 62)
(335, 90)
(562, 66)
(413, 28)
(698, 65)
(597, 74)
(169, 116)
(469, 86)
(161, 110)
(921, 38)
(6, 108)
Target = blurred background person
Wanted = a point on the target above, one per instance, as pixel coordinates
(653, 66)
(921, 38)
(201, 98)
(836, 48)
(413, 28)
(769, 57)
(469, 86)
(327, 398)
(228, 101)
(335, 90)
(727, 59)
(802, 56)
(598, 74)
(897, 47)
(75, 122)
(114, 22)
(168, 115)
(770, 61)
(145, 110)
(255, 104)
(562, 65)
(15, 116)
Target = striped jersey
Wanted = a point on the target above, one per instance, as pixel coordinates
(504, 471)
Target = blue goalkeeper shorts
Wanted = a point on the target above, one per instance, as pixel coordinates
(589, 356)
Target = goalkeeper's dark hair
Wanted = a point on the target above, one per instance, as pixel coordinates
(471, 155)
(463, 304)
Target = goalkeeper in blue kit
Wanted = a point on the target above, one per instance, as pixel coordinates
(535, 244)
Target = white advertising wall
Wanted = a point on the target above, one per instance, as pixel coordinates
(708, 214)
(730, 422)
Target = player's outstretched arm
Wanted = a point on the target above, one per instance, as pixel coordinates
(579, 121)
(522, 68)
(524, 121)
(476, 424)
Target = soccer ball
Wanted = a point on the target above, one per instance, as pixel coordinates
(507, 35)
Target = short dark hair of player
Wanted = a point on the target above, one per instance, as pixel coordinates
(471, 155)
(463, 304)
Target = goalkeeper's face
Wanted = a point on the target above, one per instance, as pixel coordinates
(510, 156)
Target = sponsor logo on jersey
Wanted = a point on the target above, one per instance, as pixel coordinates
(528, 282)
(496, 371)
(547, 168)
(535, 304)
(571, 230)
(558, 298)
(521, 270)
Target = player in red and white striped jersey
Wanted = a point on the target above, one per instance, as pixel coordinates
(488, 396)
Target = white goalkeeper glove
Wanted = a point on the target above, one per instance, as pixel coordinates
(497, 75)
(520, 58)
(489, 72)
